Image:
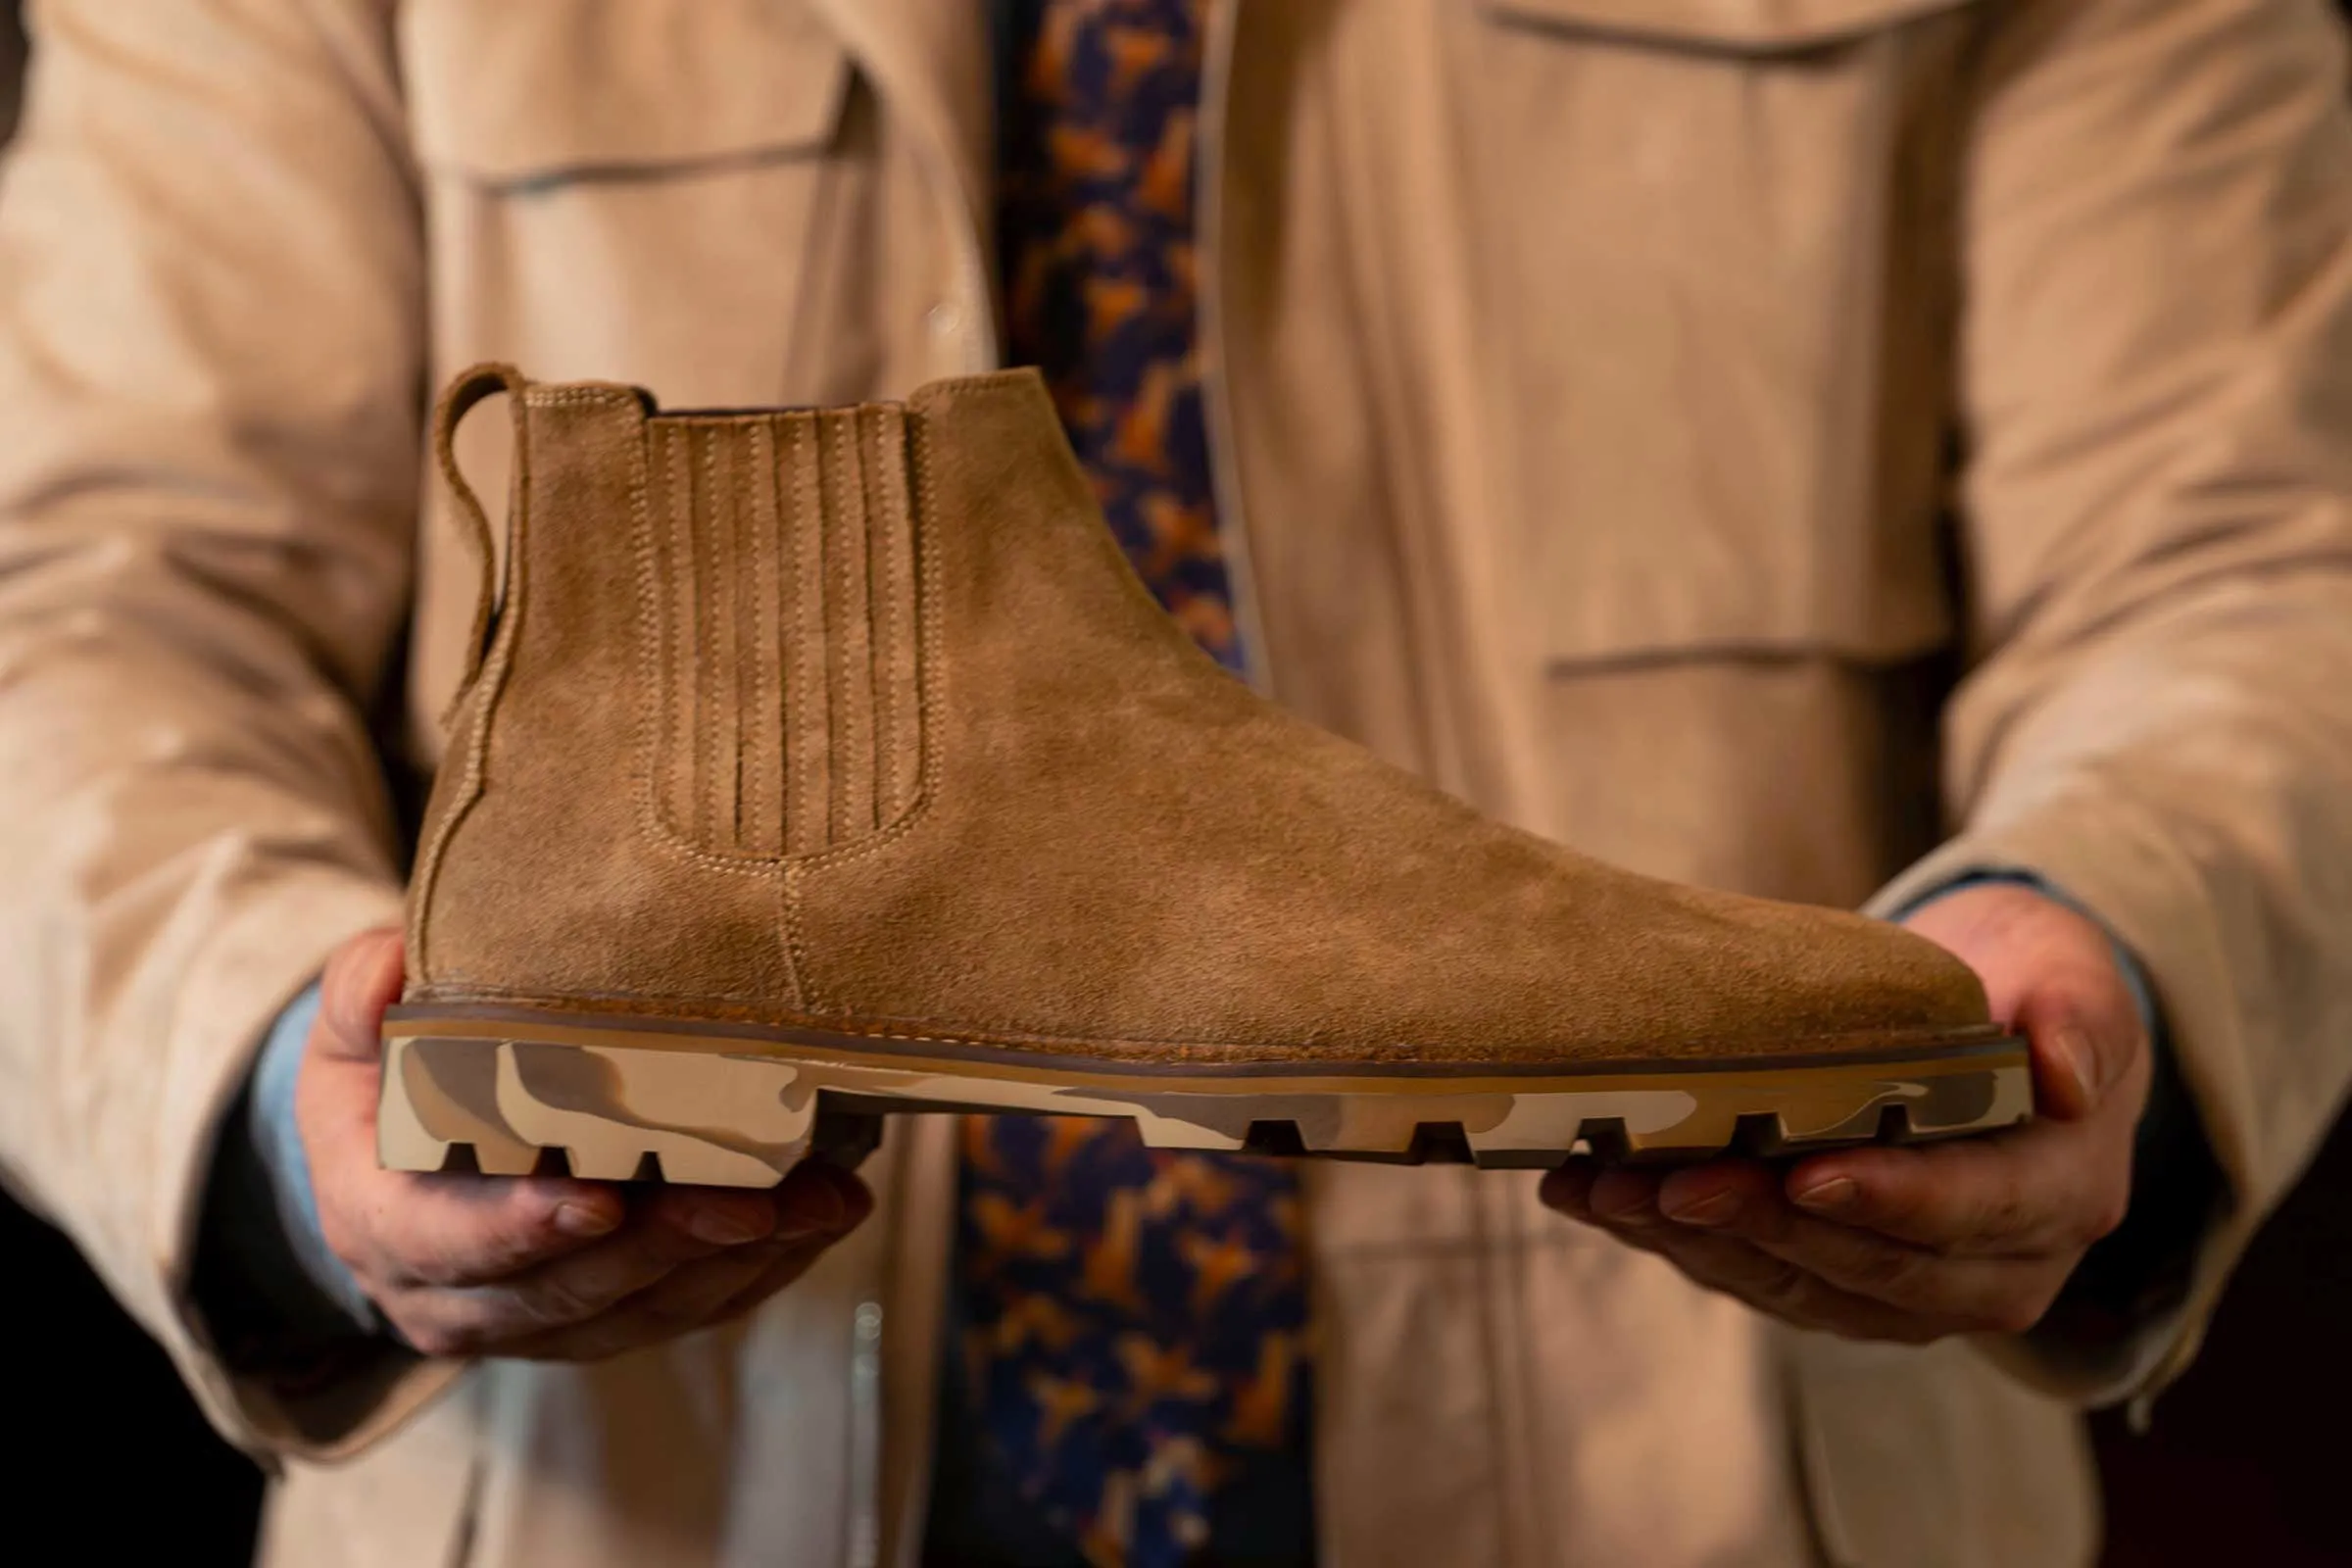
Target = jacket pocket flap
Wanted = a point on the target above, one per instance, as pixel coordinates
(511, 92)
(1746, 27)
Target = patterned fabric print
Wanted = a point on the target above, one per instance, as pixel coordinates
(1134, 1326)
(1134, 1321)
(1095, 220)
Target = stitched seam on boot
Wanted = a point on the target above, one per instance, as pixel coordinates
(881, 576)
(764, 724)
(853, 708)
(796, 953)
(1014, 1036)
(793, 578)
(701, 754)
(490, 683)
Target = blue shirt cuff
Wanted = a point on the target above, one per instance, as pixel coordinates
(265, 1280)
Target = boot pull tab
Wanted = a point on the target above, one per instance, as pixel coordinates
(469, 388)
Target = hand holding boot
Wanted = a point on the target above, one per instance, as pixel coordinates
(1911, 1245)
(540, 1266)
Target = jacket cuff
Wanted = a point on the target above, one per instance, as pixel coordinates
(2099, 1349)
(239, 981)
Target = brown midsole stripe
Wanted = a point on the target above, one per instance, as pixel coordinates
(1927, 1053)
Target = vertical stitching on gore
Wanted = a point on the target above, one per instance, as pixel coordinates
(880, 592)
(877, 645)
(800, 635)
(789, 678)
(740, 719)
(653, 819)
(706, 598)
(922, 522)
(656, 710)
(931, 661)
(854, 713)
(839, 721)
(828, 525)
(760, 760)
(670, 604)
(903, 469)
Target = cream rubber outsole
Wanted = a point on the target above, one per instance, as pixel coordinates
(506, 1091)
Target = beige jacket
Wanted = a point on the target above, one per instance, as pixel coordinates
(1625, 412)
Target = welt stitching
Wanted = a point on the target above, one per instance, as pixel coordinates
(1006, 1033)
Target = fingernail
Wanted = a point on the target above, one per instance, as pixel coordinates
(584, 1220)
(1713, 1209)
(1827, 1197)
(725, 1227)
(2073, 1047)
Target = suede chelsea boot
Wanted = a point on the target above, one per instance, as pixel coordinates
(835, 761)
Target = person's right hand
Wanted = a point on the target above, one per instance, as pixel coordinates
(538, 1266)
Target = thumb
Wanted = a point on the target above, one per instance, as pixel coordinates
(363, 978)
(2084, 1043)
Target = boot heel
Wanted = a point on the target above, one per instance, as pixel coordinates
(607, 1112)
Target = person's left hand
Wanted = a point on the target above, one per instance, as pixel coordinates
(1912, 1244)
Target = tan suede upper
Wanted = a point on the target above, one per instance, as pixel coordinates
(861, 717)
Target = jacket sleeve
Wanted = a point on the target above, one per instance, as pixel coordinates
(2156, 372)
(209, 362)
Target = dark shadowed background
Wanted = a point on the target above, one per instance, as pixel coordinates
(2246, 1463)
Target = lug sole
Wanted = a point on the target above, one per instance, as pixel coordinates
(506, 1091)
